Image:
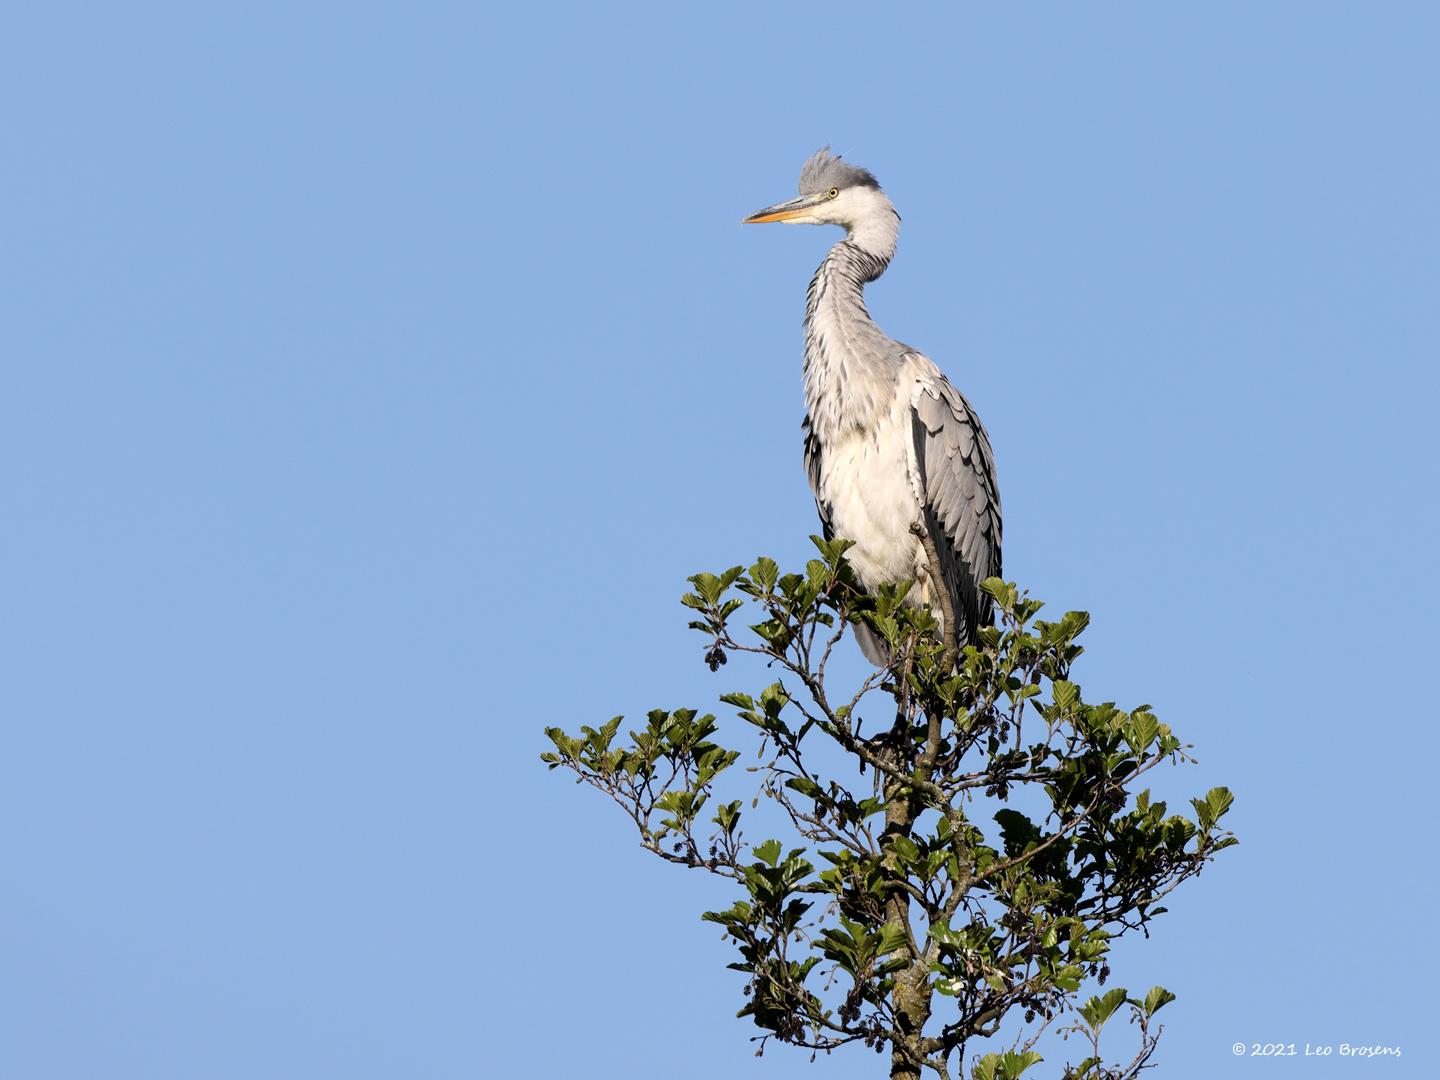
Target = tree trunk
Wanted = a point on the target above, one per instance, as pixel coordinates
(911, 997)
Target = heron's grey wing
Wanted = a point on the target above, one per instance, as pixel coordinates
(961, 498)
(812, 471)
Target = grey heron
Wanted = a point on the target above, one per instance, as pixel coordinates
(897, 459)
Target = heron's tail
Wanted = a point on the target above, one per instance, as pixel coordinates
(872, 645)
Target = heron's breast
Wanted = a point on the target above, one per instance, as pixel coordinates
(865, 481)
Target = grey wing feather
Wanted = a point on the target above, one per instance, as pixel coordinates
(962, 500)
(812, 471)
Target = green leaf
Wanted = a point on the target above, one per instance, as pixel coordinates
(1099, 1009)
(768, 852)
(1003, 592)
(728, 816)
(1157, 999)
(708, 586)
(1014, 1064)
(1068, 977)
(1141, 730)
(942, 933)
(904, 849)
(1006, 1066)
(891, 939)
(1219, 799)
(765, 573)
(805, 786)
(1018, 831)
(1065, 693)
(1208, 810)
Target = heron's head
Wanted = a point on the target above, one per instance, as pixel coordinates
(834, 192)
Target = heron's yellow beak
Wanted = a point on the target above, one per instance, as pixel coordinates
(785, 211)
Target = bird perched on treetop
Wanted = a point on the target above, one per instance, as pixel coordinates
(897, 458)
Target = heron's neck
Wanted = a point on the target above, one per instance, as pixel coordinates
(849, 362)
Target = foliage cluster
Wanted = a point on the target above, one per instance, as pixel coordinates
(976, 868)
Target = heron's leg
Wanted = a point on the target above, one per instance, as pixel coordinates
(942, 594)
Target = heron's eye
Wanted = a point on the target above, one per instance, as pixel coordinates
(834, 193)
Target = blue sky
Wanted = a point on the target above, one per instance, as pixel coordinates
(375, 374)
